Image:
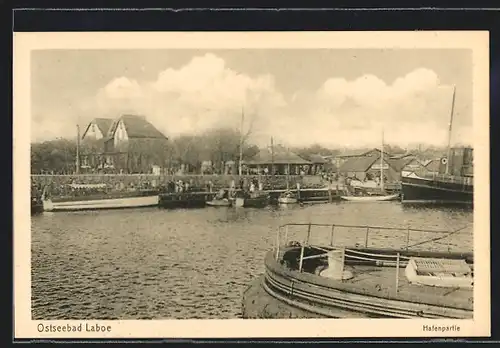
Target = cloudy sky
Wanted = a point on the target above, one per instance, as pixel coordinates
(333, 97)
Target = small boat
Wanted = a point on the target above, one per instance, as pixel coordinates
(36, 206)
(220, 200)
(287, 197)
(329, 280)
(98, 198)
(252, 200)
(371, 198)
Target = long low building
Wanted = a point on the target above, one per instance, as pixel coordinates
(278, 160)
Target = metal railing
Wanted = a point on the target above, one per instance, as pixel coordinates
(283, 233)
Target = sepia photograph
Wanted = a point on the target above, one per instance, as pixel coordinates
(244, 177)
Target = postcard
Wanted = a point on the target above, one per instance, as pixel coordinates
(251, 184)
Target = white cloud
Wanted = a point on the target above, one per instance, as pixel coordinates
(205, 93)
(414, 108)
(200, 95)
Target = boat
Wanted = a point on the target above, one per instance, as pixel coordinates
(371, 198)
(287, 197)
(454, 182)
(251, 200)
(338, 280)
(96, 197)
(36, 206)
(175, 200)
(374, 194)
(220, 200)
(36, 200)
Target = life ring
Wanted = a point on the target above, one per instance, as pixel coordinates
(444, 160)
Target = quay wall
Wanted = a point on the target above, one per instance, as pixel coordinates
(196, 181)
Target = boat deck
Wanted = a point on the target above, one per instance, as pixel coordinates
(381, 282)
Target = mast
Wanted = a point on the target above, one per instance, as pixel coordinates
(241, 141)
(449, 132)
(77, 149)
(272, 156)
(288, 172)
(382, 164)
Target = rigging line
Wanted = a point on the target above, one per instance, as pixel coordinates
(438, 238)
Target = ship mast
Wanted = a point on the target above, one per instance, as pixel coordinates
(77, 149)
(382, 164)
(449, 133)
(241, 141)
(272, 156)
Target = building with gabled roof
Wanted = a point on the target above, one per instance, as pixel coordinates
(97, 128)
(130, 144)
(369, 167)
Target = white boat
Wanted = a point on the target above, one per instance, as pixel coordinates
(219, 202)
(372, 198)
(287, 197)
(100, 200)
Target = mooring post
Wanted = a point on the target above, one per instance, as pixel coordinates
(333, 233)
(366, 236)
(397, 274)
(301, 258)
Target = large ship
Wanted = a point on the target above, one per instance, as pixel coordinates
(455, 186)
(453, 183)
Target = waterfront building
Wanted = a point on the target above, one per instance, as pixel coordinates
(131, 144)
(278, 160)
(318, 163)
(367, 166)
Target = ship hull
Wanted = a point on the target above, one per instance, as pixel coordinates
(417, 190)
(98, 204)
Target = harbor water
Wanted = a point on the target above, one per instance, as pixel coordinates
(188, 263)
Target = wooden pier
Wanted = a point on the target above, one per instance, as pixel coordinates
(197, 199)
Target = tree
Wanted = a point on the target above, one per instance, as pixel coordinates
(58, 156)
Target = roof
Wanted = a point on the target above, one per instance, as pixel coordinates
(399, 163)
(361, 153)
(317, 159)
(433, 165)
(279, 155)
(358, 164)
(137, 127)
(102, 123)
(401, 155)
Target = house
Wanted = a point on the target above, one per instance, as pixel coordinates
(278, 160)
(92, 144)
(134, 145)
(346, 155)
(97, 129)
(130, 144)
(406, 163)
(368, 167)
